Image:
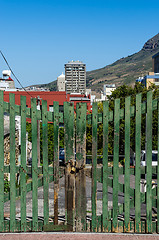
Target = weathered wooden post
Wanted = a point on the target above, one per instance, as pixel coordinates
(70, 164)
(80, 164)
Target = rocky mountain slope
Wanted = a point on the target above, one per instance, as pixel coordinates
(123, 71)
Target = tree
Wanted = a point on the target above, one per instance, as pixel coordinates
(122, 92)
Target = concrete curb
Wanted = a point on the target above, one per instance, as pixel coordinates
(77, 236)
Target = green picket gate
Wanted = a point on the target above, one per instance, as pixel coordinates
(105, 197)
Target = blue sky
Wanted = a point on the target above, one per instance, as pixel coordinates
(39, 37)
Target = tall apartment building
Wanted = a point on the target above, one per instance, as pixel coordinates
(75, 77)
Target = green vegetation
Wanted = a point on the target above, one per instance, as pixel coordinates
(122, 92)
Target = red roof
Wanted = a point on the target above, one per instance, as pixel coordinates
(49, 96)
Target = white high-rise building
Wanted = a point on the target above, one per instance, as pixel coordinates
(75, 76)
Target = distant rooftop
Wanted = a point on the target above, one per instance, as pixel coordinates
(75, 62)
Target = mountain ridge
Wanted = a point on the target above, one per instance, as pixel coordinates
(123, 71)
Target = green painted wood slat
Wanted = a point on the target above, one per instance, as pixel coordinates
(34, 165)
(137, 164)
(1, 163)
(69, 143)
(69, 132)
(127, 165)
(40, 182)
(149, 164)
(158, 174)
(140, 108)
(116, 165)
(50, 114)
(94, 165)
(56, 160)
(23, 164)
(45, 161)
(63, 228)
(12, 164)
(105, 166)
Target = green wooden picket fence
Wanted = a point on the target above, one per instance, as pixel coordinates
(124, 207)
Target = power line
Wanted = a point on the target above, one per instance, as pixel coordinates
(13, 73)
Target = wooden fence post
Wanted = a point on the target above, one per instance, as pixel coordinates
(105, 165)
(137, 165)
(70, 164)
(127, 165)
(56, 160)
(116, 164)
(12, 165)
(23, 164)
(80, 164)
(45, 161)
(149, 164)
(34, 165)
(94, 165)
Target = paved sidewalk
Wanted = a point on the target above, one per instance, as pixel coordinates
(84, 236)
